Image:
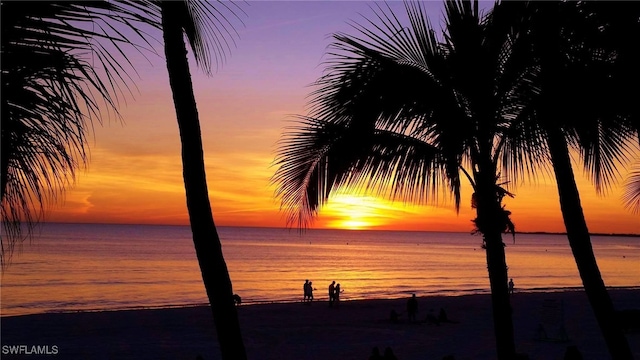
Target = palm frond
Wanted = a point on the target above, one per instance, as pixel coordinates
(210, 28)
(317, 157)
(583, 89)
(66, 64)
(521, 148)
(631, 194)
(391, 79)
(604, 151)
(52, 89)
(358, 68)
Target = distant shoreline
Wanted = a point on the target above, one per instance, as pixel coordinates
(564, 233)
(333, 229)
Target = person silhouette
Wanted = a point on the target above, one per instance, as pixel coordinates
(432, 318)
(572, 353)
(310, 287)
(442, 316)
(305, 289)
(412, 308)
(511, 285)
(336, 295)
(332, 289)
(237, 300)
(389, 355)
(393, 316)
(375, 354)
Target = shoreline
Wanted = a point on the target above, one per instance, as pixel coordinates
(297, 331)
(271, 302)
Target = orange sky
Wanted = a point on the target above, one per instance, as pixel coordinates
(135, 170)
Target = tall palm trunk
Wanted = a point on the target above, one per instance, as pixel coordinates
(580, 242)
(490, 216)
(205, 237)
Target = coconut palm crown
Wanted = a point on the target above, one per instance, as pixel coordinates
(402, 113)
(59, 74)
(583, 104)
(65, 65)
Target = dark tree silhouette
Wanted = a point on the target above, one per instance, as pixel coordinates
(179, 19)
(50, 93)
(403, 114)
(582, 103)
(49, 90)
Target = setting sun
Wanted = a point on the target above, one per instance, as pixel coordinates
(354, 225)
(355, 212)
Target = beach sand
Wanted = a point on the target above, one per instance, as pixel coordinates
(299, 331)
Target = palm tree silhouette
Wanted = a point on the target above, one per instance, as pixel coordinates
(179, 19)
(49, 91)
(579, 104)
(402, 114)
(621, 28)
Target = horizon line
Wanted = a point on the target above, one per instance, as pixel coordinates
(318, 228)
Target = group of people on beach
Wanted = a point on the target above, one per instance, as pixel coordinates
(307, 288)
(334, 292)
(388, 354)
(412, 310)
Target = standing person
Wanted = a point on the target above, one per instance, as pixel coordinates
(389, 355)
(332, 289)
(412, 308)
(310, 287)
(375, 354)
(511, 286)
(305, 289)
(336, 295)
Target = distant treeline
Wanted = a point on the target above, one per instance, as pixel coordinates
(564, 233)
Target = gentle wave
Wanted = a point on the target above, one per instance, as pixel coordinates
(289, 301)
(84, 267)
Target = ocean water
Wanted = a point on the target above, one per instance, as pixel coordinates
(87, 267)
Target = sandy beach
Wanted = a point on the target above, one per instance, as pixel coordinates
(298, 331)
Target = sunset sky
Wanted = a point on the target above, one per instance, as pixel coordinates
(135, 175)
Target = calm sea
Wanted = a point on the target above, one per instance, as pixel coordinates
(72, 267)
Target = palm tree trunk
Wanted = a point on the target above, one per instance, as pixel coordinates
(500, 302)
(489, 222)
(580, 242)
(205, 237)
